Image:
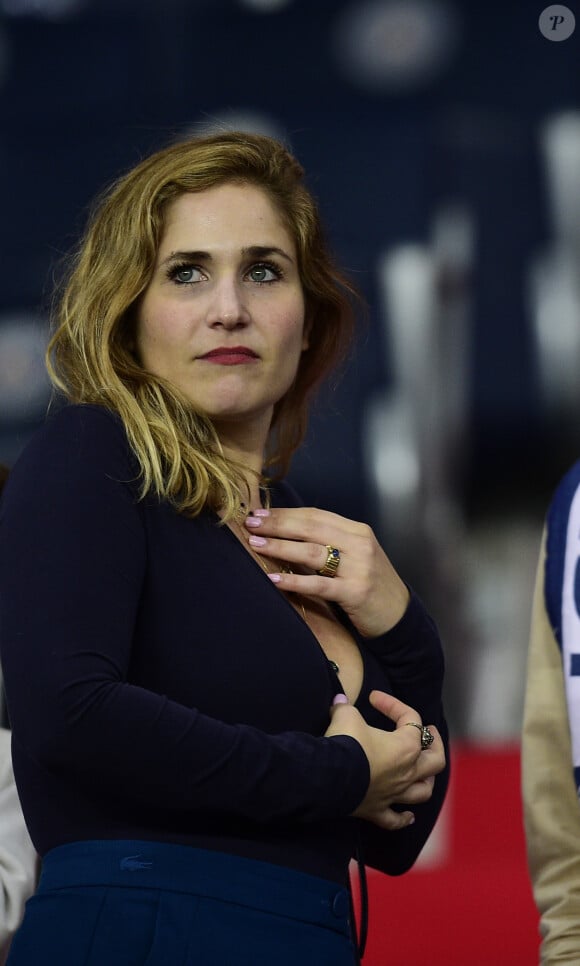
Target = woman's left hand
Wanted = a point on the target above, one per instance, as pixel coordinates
(366, 585)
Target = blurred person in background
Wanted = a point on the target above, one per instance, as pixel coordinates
(218, 696)
(18, 861)
(551, 730)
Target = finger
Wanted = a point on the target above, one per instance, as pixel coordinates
(432, 760)
(313, 540)
(402, 714)
(341, 717)
(418, 792)
(303, 523)
(312, 585)
(393, 821)
(312, 556)
(339, 698)
(428, 762)
(436, 748)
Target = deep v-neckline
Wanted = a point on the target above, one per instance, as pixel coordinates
(337, 684)
(281, 596)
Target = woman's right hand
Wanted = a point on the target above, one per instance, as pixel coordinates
(401, 771)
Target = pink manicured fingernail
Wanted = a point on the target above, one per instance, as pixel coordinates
(261, 512)
(253, 521)
(340, 699)
(412, 820)
(275, 578)
(257, 541)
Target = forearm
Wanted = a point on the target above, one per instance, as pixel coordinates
(412, 658)
(150, 750)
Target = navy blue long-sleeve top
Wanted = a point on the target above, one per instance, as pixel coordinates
(160, 686)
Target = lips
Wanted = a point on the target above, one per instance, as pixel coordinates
(230, 355)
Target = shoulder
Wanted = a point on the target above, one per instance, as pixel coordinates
(562, 520)
(76, 428)
(77, 433)
(78, 446)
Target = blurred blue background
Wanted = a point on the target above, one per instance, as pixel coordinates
(442, 141)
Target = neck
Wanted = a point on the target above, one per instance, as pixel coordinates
(246, 445)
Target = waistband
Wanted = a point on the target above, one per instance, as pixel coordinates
(198, 872)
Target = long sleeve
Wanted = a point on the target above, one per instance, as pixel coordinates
(551, 805)
(73, 584)
(412, 658)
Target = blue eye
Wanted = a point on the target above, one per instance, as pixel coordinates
(264, 272)
(185, 274)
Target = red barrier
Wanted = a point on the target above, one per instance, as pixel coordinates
(468, 901)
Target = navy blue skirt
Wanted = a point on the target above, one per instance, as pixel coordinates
(133, 903)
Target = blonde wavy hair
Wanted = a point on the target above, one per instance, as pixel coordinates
(91, 356)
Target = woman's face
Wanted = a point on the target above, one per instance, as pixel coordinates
(223, 316)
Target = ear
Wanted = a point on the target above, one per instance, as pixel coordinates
(306, 334)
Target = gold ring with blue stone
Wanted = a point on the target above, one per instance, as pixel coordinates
(332, 562)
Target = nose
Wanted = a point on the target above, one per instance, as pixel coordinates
(227, 308)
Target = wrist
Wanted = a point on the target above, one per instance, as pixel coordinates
(392, 611)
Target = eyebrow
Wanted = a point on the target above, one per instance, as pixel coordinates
(253, 251)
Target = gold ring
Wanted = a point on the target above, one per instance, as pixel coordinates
(331, 563)
(427, 738)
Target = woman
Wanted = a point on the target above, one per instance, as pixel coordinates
(209, 684)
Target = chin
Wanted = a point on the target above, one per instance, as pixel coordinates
(239, 413)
